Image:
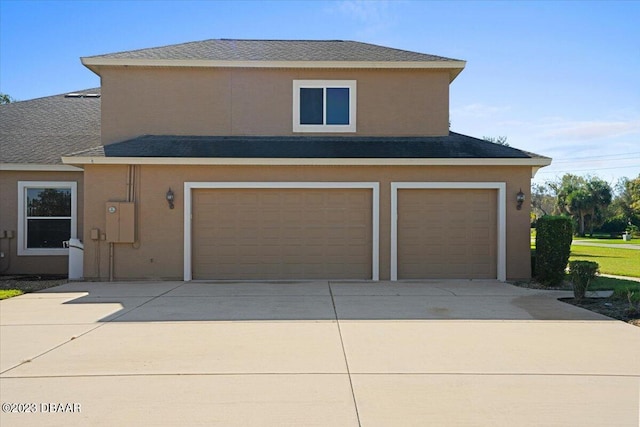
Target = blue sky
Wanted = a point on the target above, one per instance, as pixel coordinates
(557, 78)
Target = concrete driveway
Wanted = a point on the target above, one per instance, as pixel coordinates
(313, 353)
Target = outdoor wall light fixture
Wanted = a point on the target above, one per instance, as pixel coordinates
(171, 197)
(520, 199)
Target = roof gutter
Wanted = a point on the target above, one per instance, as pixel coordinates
(535, 163)
(95, 64)
(34, 167)
(234, 161)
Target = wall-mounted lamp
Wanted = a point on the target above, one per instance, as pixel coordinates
(171, 197)
(520, 199)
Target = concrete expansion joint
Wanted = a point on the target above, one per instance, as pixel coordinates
(144, 303)
(499, 374)
(45, 324)
(344, 353)
(183, 374)
(73, 338)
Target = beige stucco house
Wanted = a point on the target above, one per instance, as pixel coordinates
(262, 159)
(34, 135)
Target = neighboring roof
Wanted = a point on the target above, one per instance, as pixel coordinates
(40, 131)
(275, 53)
(452, 146)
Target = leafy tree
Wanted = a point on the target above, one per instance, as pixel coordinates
(6, 99)
(49, 202)
(500, 140)
(567, 184)
(585, 199)
(626, 205)
(542, 201)
(633, 188)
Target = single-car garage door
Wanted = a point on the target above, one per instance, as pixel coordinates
(447, 233)
(305, 233)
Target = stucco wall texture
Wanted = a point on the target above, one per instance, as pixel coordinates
(158, 251)
(12, 263)
(192, 101)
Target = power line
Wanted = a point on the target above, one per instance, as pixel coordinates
(596, 160)
(599, 157)
(590, 169)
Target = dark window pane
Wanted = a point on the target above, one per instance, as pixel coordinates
(338, 106)
(48, 202)
(47, 233)
(311, 106)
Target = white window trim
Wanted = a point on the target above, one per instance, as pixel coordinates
(22, 223)
(501, 226)
(350, 84)
(375, 212)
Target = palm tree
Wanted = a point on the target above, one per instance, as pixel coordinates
(583, 199)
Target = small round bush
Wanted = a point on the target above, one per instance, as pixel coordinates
(582, 273)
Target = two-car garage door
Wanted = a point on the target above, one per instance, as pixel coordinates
(270, 233)
(329, 233)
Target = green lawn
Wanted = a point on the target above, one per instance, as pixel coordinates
(635, 241)
(609, 283)
(622, 262)
(8, 293)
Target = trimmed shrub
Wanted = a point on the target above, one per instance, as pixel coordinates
(626, 294)
(582, 273)
(553, 247)
(533, 262)
(614, 225)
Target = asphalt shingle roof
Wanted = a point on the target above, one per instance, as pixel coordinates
(275, 50)
(451, 146)
(41, 130)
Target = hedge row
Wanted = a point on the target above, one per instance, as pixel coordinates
(553, 247)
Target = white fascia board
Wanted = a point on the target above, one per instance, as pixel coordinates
(534, 162)
(94, 64)
(34, 167)
(98, 62)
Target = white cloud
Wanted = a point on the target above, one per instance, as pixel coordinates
(479, 110)
(586, 130)
(365, 11)
(374, 17)
(608, 147)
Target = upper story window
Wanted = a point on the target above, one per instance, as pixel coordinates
(324, 105)
(47, 217)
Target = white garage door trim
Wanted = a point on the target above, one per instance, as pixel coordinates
(502, 217)
(375, 211)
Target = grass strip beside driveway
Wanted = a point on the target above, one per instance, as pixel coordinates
(617, 261)
(618, 241)
(8, 293)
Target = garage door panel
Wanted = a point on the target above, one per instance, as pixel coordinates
(480, 235)
(447, 233)
(358, 216)
(282, 233)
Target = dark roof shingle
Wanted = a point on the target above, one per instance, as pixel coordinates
(275, 50)
(452, 146)
(40, 131)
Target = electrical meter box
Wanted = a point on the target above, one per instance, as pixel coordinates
(120, 222)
